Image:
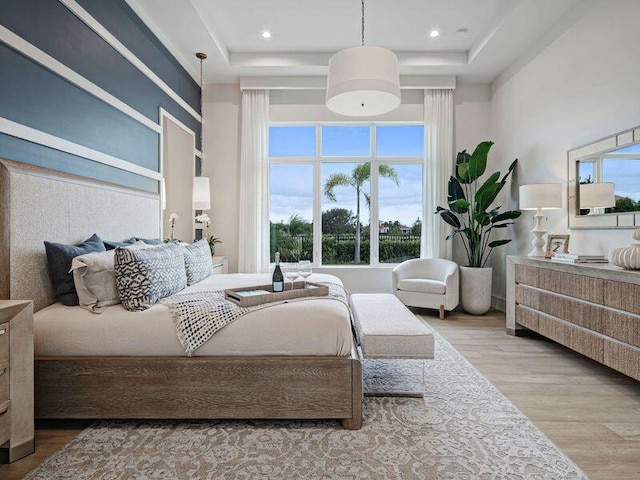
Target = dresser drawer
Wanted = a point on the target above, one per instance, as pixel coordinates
(4, 382)
(624, 358)
(622, 295)
(5, 422)
(5, 427)
(575, 286)
(4, 343)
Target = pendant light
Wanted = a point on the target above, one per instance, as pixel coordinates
(363, 81)
(201, 190)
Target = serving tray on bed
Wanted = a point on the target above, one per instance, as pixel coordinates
(252, 296)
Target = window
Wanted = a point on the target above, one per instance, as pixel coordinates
(291, 211)
(346, 194)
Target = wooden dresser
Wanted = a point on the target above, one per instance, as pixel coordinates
(16, 380)
(592, 309)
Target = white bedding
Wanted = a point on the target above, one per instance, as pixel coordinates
(311, 327)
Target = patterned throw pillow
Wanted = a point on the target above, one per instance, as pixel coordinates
(145, 275)
(197, 261)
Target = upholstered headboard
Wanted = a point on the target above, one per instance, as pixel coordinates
(37, 204)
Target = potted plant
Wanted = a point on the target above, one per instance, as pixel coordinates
(211, 240)
(473, 218)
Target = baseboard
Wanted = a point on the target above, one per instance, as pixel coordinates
(499, 303)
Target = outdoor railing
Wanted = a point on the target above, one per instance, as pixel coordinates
(338, 249)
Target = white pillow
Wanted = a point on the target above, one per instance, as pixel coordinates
(95, 280)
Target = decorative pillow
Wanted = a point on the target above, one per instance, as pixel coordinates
(111, 245)
(95, 280)
(149, 241)
(145, 275)
(197, 261)
(59, 257)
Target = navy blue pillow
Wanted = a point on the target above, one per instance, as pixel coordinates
(111, 245)
(59, 257)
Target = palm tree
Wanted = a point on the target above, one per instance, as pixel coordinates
(360, 174)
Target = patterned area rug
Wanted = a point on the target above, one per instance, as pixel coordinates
(462, 429)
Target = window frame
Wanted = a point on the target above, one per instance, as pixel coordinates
(317, 161)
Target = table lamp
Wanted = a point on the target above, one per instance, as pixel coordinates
(597, 195)
(201, 193)
(540, 196)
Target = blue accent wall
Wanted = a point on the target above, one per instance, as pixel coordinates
(32, 95)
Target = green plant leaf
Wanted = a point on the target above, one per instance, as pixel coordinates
(497, 243)
(486, 197)
(455, 192)
(461, 205)
(462, 157)
(482, 218)
(478, 161)
(450, 218)
(510, 215)
(462, 166)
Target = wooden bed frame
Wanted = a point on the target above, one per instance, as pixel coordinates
(229, 387)
(260, 387)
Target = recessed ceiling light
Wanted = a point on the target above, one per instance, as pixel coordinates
(434, 33)
(266, 34)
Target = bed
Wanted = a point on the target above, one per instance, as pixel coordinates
(125, 365)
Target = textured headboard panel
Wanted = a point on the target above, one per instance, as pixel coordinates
(38, 204)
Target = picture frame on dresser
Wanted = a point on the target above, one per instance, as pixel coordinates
(556, 243)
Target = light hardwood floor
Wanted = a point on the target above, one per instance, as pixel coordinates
(590, 411)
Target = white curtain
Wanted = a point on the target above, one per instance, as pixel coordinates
(438, 167)
(253, 248)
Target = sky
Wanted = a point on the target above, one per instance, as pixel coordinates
(624, 173)
(291, 189)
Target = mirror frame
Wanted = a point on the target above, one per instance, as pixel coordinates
(625, 220)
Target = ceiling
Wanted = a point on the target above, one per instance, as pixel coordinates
(478, 39)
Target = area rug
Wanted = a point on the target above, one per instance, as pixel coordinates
(464, 428)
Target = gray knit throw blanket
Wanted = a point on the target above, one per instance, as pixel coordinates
(199, 315)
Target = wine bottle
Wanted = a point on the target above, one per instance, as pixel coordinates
(277, 281)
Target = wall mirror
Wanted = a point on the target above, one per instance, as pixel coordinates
(604, 182)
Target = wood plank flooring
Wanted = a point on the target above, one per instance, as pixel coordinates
(591, 412)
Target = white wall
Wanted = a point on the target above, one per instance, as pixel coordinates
(221, 114)
(472, 126)
(178, 170)
(583, 86)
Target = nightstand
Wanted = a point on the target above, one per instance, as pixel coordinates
(220, 265)
(16, 380)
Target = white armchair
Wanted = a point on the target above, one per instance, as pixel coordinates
(427, 283)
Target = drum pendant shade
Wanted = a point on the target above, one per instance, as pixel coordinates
(363, 81)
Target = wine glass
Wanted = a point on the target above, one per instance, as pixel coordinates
(291, 272)
(304, 270)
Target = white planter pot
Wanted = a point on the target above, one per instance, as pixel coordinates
(475, 289)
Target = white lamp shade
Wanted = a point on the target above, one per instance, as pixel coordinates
(201, 193)
(546, 196)
(597, 195)
(363, 81)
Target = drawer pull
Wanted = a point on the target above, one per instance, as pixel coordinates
(3, 371)
(3, 331)
(4, 407)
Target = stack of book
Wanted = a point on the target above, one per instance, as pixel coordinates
(574, 258)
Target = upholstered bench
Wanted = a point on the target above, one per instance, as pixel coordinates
(386, 329)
